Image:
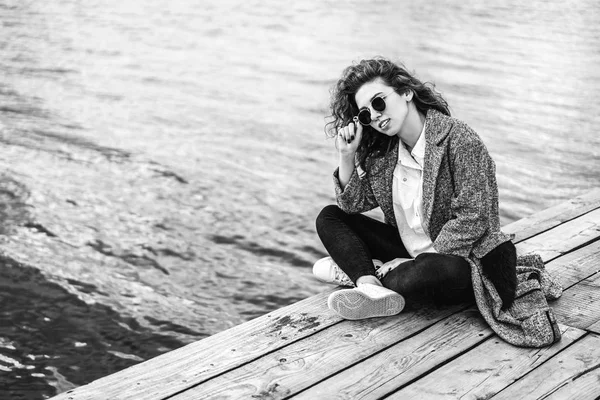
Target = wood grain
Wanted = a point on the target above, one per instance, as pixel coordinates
(564, 238)
(554, 216)
(172, 372)
(576, 266)
(485, 370)
(305, 349)
(558, 373)
(405, 361)
(595, 328)
(302, 364)
(584, 387)
(579, 306)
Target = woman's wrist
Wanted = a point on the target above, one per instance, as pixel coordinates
(347, 157)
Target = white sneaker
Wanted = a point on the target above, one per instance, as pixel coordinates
(326, 270)
(366, 301)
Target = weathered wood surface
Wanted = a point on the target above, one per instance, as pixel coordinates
(554, 216)
(564, 238)
(200, 361)
(563, 373)
(595, 328)
(284, 372)
(406, 361)
(485, 370)
(305, 351)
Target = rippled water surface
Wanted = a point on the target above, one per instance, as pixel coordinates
(163, 161)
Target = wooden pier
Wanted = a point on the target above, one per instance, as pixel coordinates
(304, 351)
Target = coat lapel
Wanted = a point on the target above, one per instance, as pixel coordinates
(437, 127)
(386, 202)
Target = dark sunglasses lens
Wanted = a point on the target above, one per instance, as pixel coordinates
(378, 104)
(364, 117)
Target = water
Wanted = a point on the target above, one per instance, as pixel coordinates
(163, 161)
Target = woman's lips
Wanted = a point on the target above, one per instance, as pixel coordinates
(383, 124)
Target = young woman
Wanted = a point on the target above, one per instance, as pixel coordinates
(431, 175)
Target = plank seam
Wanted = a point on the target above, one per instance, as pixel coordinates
(581, 280)
(593, 240)
(435, 368)
(554, 226)
(579, 375)
(373, 354)
(544, 362)
(379, 351)
(247, 362)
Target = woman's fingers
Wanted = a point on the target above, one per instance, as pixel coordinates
(349, 132)
(341, 138)
(344, 134)
(349, 137)
(359, 131)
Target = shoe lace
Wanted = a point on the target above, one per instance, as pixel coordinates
(340, 275)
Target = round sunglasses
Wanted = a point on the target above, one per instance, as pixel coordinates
(378, 104)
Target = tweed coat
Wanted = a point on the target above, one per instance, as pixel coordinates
(460, 205)
(460, 194)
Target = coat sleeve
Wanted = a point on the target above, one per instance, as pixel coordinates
(473, 175)
(357, 196)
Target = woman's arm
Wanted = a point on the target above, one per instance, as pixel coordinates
(357, 196)
(354, 195)
(346, 168)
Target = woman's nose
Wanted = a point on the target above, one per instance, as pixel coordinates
(374, 114)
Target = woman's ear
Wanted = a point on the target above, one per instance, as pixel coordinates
(408, 95)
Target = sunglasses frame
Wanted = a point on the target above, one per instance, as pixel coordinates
(366, 109)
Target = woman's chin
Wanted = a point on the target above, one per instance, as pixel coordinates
(387, 132)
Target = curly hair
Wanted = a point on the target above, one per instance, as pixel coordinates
(343, 104)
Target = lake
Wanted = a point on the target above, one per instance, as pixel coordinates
(163, 162)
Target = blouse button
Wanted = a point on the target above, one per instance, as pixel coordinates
(404, 179)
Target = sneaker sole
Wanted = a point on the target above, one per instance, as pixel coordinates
(354, 305)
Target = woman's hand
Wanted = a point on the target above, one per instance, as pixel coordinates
(348, 139)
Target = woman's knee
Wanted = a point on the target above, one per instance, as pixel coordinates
(446, 262)
(444, 269)
(450, 277)
(328, 213)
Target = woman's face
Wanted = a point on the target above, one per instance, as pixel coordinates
(391, 120)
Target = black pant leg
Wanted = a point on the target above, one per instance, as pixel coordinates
(353, 240)
(444, 278)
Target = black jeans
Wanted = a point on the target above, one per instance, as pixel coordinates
(353, 240)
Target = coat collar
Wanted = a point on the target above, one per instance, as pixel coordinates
(437, 128)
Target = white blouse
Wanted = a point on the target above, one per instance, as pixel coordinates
(407, 195)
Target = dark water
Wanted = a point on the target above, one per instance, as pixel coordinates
(163, 161)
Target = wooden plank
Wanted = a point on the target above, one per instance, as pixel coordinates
(245, 382)
(485, 370)
(386, 371)
(579, 306)
(486, 375)
(302, 364)
(564, 238)
(579, 273)
(565, 369)
(199, 362)
(554, 216)
(174, 371)
(576, 266)
(583, 387)
(595, 328)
